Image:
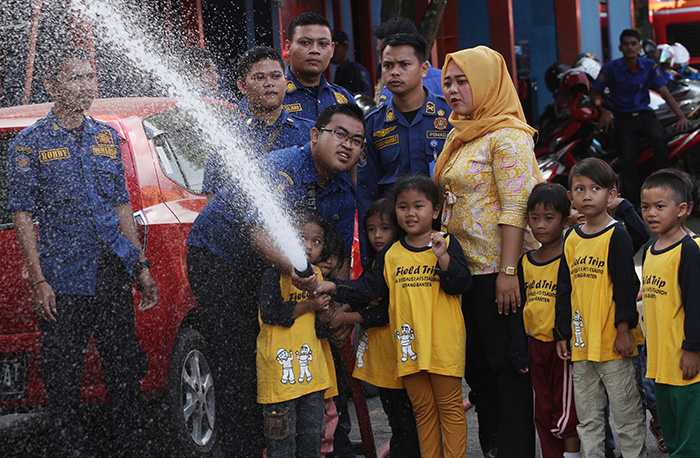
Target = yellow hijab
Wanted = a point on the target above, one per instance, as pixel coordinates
(495, 100)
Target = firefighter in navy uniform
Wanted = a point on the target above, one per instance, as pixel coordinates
(405, 135)
(310, 48)
(66, 171)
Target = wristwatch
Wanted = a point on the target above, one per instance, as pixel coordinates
(512, 271)
(139, 266)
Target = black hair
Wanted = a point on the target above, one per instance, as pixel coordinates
(597, 170)
(418, 183)
(687, 179)
(54, 63)
(631, 33)
(253, 56)
(394, 26)
(333, 245)
(551, 196)
(307, 18)
(383, 206)
(304, 217)
(348, 109)
(409, 39)
(671, 180)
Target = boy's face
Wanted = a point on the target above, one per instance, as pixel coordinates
(312, 235)
(74, 88)
(546, 224)
(590, 198)
(330, 267)
(660, 211)
(401, 70)
(264, 85)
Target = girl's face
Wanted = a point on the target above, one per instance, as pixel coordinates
(311, 235)
(415, 212)
(330, 267)
(457, 90)
(380, 231)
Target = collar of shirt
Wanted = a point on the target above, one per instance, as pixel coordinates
(296, 85)
(90, 126)
(430, 108)
(251, 121)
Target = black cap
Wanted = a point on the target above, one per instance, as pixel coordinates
(340, 37)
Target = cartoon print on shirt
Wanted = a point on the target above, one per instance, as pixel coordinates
(578, 325)
(406, 336)
(304, 356)
(285, 359)
(361, 349)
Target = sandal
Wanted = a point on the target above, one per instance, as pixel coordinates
(655, 429)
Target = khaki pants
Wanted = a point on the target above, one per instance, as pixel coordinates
(592, 381)
(440, 419)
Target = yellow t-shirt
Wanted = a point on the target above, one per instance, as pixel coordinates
(291, 361)
(671, 305)
(487, 183)
(375, 360)
(540, 285)
(597, 288)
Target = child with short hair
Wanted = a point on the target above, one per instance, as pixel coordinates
(555, 414)
(293, 371)
(596, 303)
(672, 311)
(424, 274)
(375, 361)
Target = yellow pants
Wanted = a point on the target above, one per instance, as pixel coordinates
(440, 419)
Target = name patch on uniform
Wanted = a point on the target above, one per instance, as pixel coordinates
(107, 151)
(104, 138)
(441, 134)
(387, 141)
(340, 98)
(53, 154)
(292, 107)
(384, 132)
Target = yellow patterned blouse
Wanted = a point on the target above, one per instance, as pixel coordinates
(486, 183)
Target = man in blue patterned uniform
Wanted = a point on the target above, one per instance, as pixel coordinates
(404, 135)
(264, 124)
(310, 48)
(629, 80)
(66, 171)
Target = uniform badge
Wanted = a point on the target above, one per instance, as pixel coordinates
(382, 99)
(104, 138)
(441, 112)
(430, 108)
(362, 160)
(291, 87)
(340, 98)
(384, 132)
(440, 123)
(390, 115)
(22, 162)
(434, 143)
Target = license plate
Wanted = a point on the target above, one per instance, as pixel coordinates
(13, 377)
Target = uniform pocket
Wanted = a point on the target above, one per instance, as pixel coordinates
(107, 174)
(61, 180)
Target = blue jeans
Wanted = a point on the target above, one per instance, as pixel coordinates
(306, 427)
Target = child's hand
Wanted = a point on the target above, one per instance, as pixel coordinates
(307, 283)
(338, 319)
(319, 303)
(563, 350)
(439, 244)
(690, 364)
(623, 345)
(326, 314)
(325, 287)
(341, 336)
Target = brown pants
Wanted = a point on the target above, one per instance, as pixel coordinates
(437, 405)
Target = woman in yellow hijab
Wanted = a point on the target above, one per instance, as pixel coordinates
(486, 172)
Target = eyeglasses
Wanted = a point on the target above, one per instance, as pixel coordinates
(342, 136)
